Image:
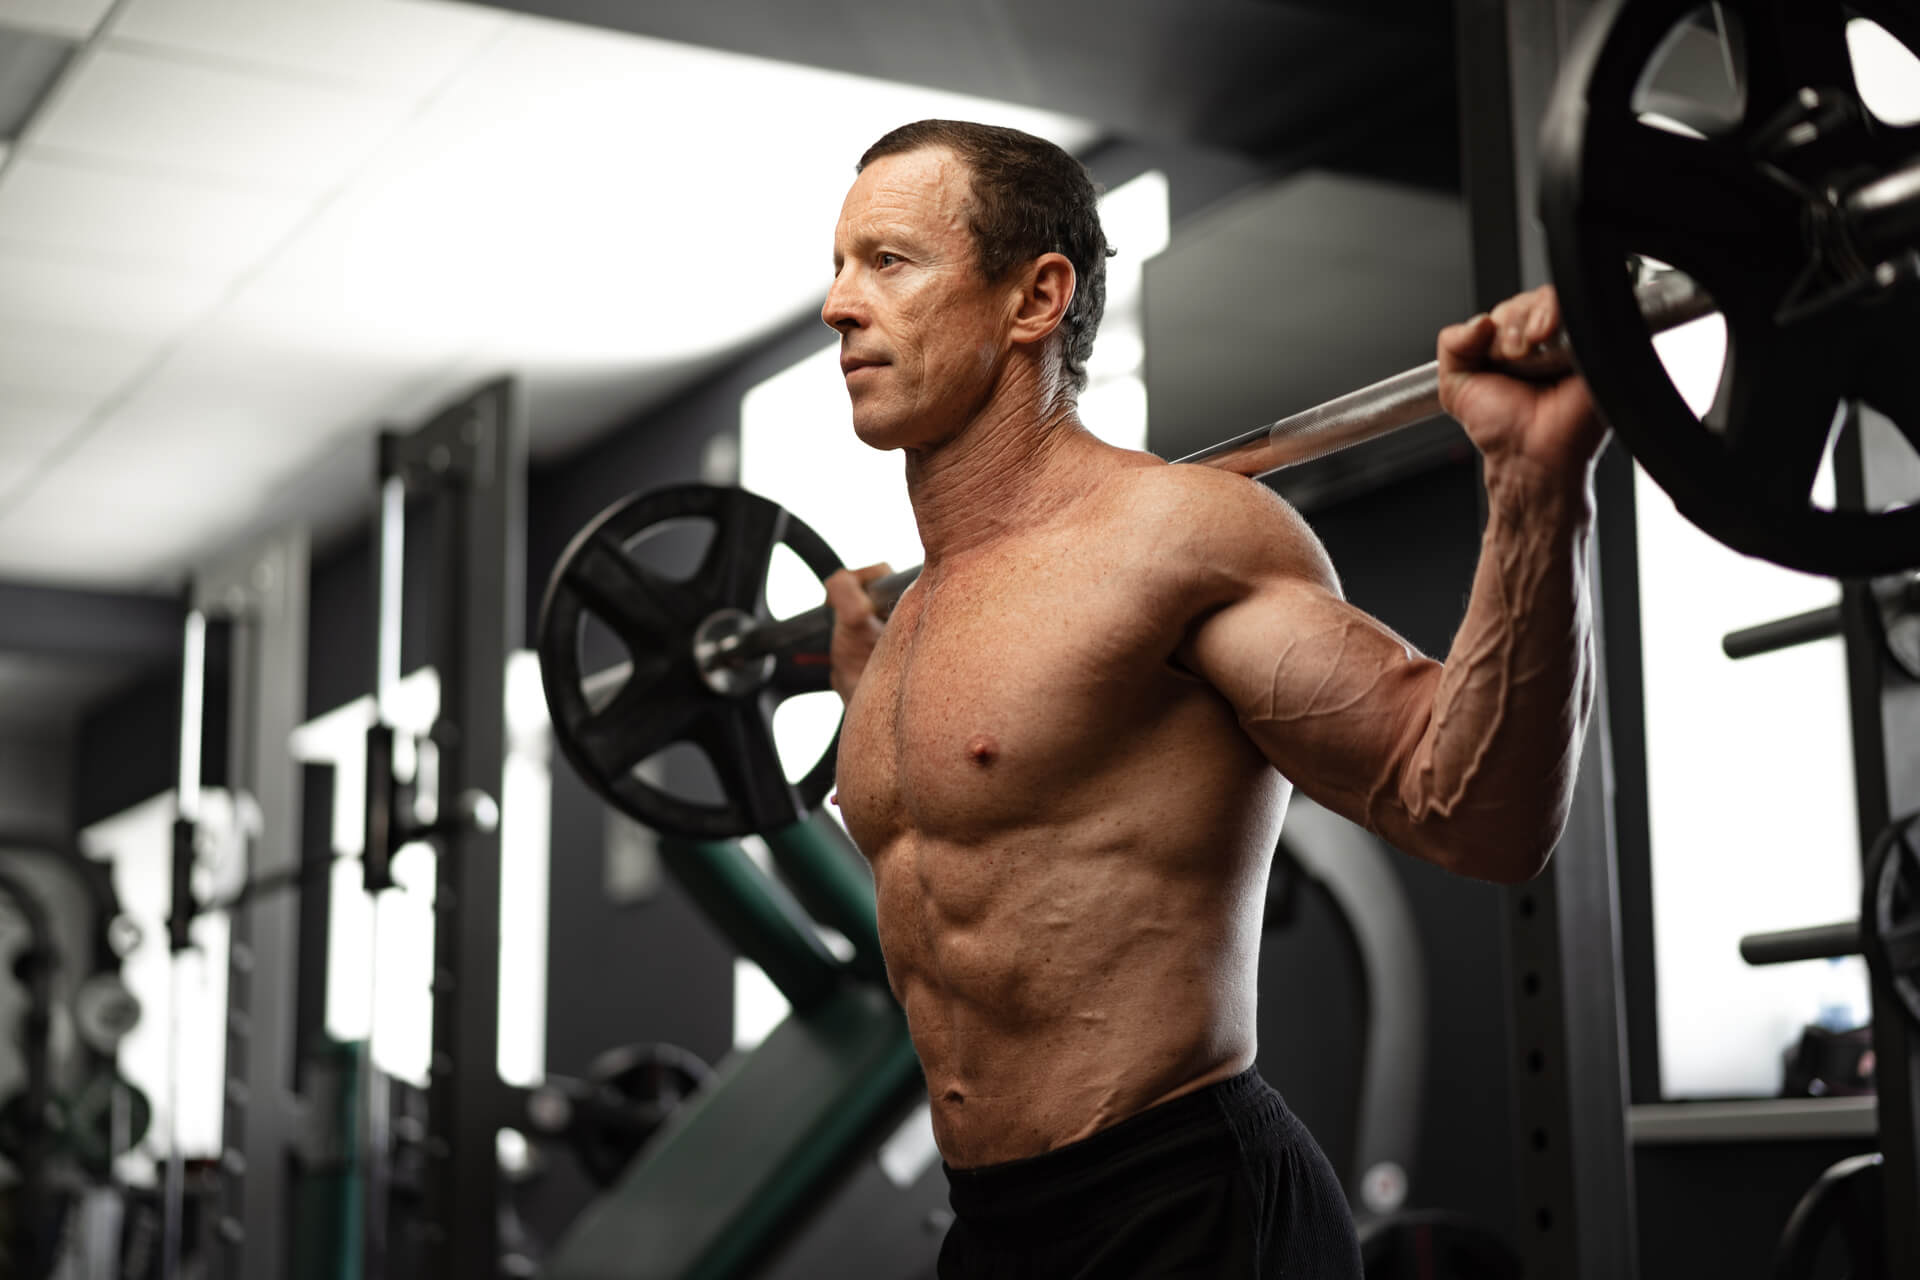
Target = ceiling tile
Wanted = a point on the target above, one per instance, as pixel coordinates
(165, 115)
(81, 364)
(33, 420)
(248, 396)
(396, 45)
(525, 210)
(76, 18)
(117, 219)
(47, 291)
(549, 211)
(112, 511)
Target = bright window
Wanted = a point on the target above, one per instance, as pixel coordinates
(380, 960)
(1750, 780)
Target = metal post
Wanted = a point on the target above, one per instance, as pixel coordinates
(263, 595)
(1564, 956)
(1872, 470)
(471, 462)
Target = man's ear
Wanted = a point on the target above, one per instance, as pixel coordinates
(1049, 283)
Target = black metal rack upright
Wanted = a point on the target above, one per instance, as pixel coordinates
(261, 596)
(1567, 993)
(1573, 1158)
(468, 467)
(1884, 702)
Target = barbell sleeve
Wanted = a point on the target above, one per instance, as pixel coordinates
(1667, 300)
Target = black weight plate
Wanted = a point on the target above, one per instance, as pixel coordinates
(1891, 913)
(1731, 214)
(664, 700)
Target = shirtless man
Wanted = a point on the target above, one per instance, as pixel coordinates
(1068, 751)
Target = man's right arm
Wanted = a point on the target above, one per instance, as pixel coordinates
(856, 627)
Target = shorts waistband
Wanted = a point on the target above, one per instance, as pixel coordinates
(1161, 1144)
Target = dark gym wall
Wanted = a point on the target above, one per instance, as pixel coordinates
(36, 782)
(127, 748)
(1717, 1209)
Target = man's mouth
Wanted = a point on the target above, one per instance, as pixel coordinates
(850, 365)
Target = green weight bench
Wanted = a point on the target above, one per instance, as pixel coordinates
(744, 1162)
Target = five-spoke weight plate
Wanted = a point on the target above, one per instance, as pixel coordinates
(1769, 211)
(678, 687)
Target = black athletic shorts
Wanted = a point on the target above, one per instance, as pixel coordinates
(1222, 1182)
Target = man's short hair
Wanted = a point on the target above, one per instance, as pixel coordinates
(1029, 198)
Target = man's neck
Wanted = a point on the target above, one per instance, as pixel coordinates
(1010, 468)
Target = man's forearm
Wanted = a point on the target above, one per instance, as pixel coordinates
(1488, 785)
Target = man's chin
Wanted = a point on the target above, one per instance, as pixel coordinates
(880, 434)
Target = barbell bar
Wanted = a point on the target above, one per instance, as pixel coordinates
(1668, 300)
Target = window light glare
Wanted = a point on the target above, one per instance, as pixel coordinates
(1885, 71)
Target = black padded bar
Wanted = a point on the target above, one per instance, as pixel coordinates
(1819, 942)
(1782, 633)
(1896, 594)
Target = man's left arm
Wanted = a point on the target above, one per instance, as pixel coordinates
(1470, 763)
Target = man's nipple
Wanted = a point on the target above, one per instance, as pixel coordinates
(983, 751)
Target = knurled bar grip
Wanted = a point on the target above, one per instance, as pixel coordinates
(1668, 301)
(1821, 942)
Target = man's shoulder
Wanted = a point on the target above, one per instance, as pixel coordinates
(1208, 522)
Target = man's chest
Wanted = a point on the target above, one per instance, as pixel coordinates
(993, 696)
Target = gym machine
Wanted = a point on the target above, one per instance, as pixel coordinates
(71, 1113)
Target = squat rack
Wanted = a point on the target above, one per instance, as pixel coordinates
(1568, 1011)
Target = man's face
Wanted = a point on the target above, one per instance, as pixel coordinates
(921, 331)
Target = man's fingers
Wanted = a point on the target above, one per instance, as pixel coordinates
(1546, 315)
(847, 597)
(1468, 340)
(847, 592)
(1509, 332)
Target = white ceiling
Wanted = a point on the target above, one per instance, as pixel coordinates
(240, 235)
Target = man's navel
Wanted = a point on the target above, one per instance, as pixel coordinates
(983, 750)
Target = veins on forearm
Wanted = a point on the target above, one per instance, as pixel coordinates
(1511, 704)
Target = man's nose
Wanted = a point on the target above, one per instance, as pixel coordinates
(842, 308)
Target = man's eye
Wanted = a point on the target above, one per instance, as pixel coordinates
(887, 259)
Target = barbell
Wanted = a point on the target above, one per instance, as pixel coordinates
(1797, 219)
